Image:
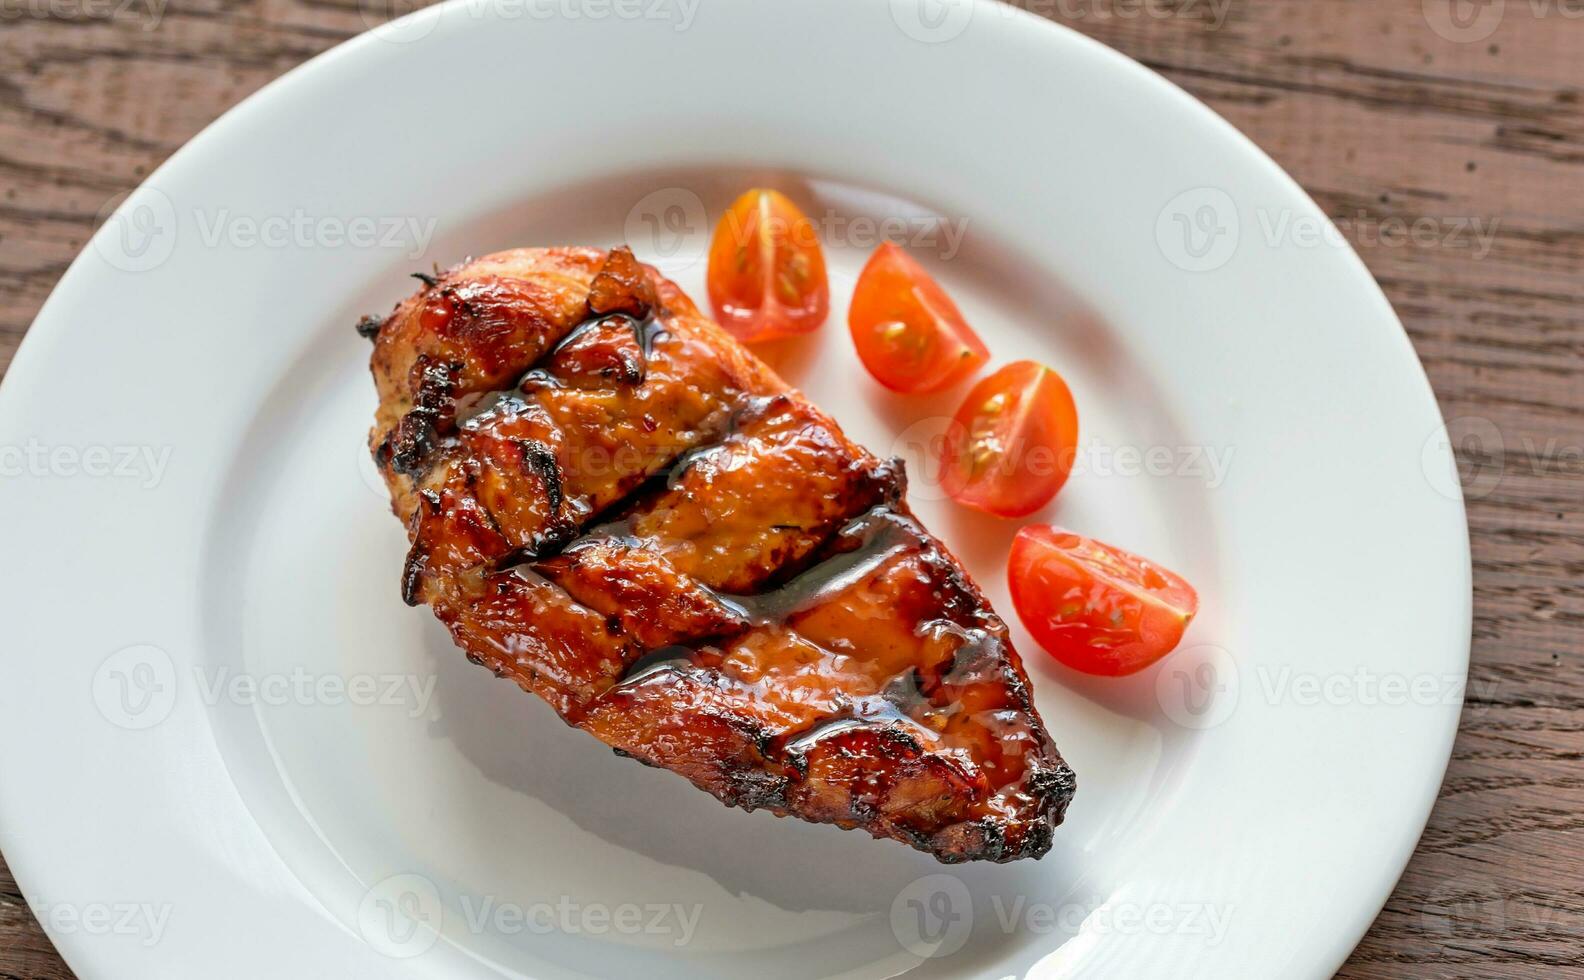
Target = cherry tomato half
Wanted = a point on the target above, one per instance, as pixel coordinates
(1096, 608)
(909, 333)
(1013, 441)
(766, 269)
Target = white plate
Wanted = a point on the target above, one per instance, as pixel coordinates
(188, 511)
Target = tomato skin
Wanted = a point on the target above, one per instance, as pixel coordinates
(1094, 607)
(1012, 443)
(909, 333)
(766, 269)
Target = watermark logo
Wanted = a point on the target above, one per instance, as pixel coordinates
(1467, 454)
(1199, 687)
(1199, 229)
(140, 230)
(138, 686)
(922, 447)
(1471, 452)
(137, 229)
(135, 687)
(932, 21)
(671, 225)
(388, 20)
(933, 916)
(401, 916)
(1464, 21)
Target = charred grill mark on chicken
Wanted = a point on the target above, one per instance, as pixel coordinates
(615, 505)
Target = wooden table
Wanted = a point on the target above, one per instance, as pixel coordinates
(1447, 143)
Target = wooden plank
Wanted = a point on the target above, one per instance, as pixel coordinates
(1390, 114)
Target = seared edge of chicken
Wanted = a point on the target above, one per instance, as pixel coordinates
(613, 503)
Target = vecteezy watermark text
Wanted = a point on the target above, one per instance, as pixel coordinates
(1469, 456)
(386, 19)
(403, 915)
(147, 12)
(672, 223)
(143, 921)
(934, 916)
(922, 446)
(304, 688)
(140, 230)
(35, 458)
(1201, 686)
(1201, 230)
(938, 21)
(137, 687)
(300, 229)
(570, 917)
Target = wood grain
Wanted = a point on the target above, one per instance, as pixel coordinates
(1390, 113)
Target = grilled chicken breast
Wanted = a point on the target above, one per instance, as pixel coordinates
(614, 504)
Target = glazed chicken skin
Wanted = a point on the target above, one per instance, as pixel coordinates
(614, 504)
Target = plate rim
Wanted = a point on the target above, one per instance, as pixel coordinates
(28, 866)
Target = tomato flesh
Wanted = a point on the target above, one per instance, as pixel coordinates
(1094, 607)
(1012, 443)
(909, 333)
(766, 269)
